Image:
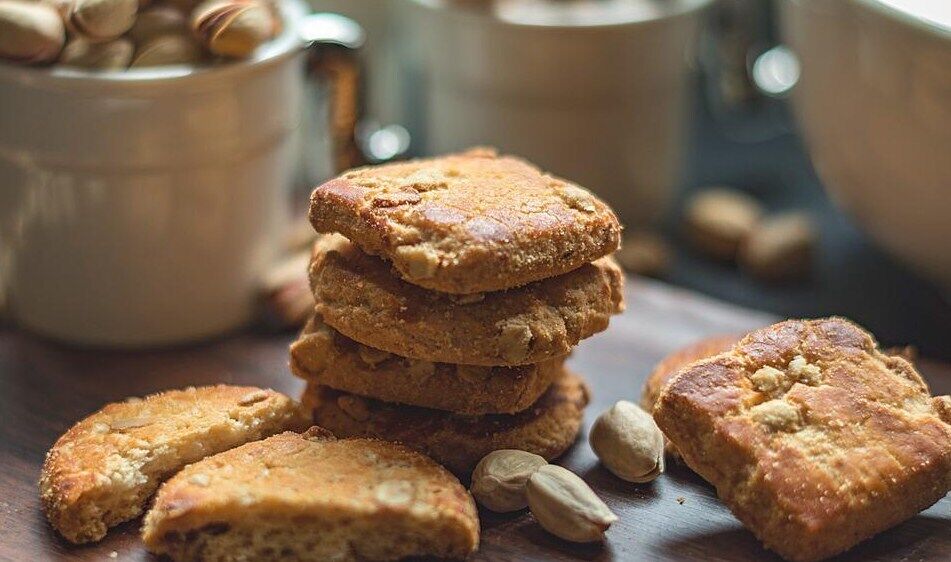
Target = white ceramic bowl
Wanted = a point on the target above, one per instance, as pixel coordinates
(142, 207)
(874, 103)
(593, 90)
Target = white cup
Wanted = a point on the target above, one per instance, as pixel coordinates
(142, 207)
(592, 90)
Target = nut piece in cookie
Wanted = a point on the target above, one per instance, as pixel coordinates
(547, 428)
(358, 295)
(467, 223)
(814, 438)
(103, 470)
(312, 497)
(326, 357)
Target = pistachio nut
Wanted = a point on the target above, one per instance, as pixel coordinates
(167, 50)
(62, 7)
(233, 28)
(499, 480)
(780, 247)
(113, 55)
(102, 20)
(30, 33)
(565, 506)
(372, 356)
(473, 374)
(719, 219)
(628, 442)
(156, 22)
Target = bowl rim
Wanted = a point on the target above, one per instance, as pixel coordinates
(907, 17)
(278, 49)
(666, 9)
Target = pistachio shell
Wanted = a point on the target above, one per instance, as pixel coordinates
(156, 22)
(500, 478)
(628, 442)
(102, 20)
(167, 50)
(114, 55)
(718, 219)
(233, 28)
(566, 506)
(62, 7)
(780, 247)
(30, 33)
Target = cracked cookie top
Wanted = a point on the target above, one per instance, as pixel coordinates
(469, 222)
(310, 496)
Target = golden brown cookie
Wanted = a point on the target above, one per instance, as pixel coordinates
(467, 223)
(358, 295)
(103, 470)
(814, 438)
(668, 367)
(326, 357)
(312, 497)
(547, 428)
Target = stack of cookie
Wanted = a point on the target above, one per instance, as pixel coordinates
(444, 317)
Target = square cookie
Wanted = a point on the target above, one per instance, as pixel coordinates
(814, 438)
(467, 223)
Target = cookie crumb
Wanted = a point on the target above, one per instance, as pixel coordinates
(777, 415)
(681, 500)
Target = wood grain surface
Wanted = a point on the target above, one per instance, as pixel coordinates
(46, 387)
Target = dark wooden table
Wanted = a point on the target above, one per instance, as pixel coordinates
(45, 387)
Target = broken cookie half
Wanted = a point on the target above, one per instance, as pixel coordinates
(312, 497)
(103, 470)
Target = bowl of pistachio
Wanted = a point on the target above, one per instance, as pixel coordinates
(123, 34)
(147, 151)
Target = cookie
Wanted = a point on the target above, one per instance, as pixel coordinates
(312, 497)
(467, 223)
(668, 367)
(326, 357)
(103, 470)
(358, 296)
(547, 428)
(814, 438)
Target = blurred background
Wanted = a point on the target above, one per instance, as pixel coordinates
(789, 155)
